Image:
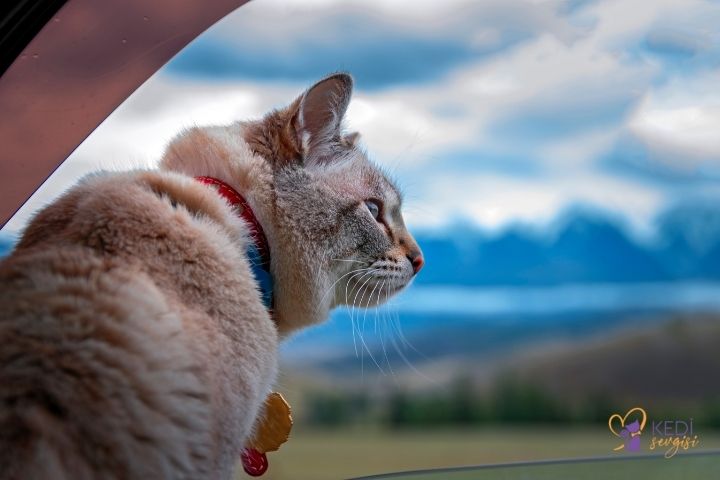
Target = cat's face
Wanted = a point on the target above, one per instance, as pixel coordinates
(350, 213)
(379, 256)
(344, 212)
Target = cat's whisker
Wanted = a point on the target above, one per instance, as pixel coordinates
(347, 260)
(387, 315)
(349, 304)
(357, 288)
(330, 289)
(358, 272)
(351, 274)
(352, 311)
(376, 323)
(382, 340)
(360, 333)
(394, 324)
(403, 338)
(372, 357)
(352, 320)
(367, 305)
(399, 351)
(410, 364)
(361, 288)
(394, 321)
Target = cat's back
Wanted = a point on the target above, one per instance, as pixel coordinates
(77, 376)
(116, 330)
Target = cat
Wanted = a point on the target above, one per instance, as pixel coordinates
(134, 342)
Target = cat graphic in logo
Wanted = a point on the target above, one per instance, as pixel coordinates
(629, 428)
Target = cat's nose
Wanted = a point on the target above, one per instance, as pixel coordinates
(416, 260)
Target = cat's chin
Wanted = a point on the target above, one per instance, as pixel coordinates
(388, 291)
(395, 289)
(372, 295)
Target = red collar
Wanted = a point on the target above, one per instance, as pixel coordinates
(246, 213)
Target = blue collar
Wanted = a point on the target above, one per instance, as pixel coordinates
(261, 272)
(258, 252)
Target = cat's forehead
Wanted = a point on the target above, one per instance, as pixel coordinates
(357, 175)
(385, 187)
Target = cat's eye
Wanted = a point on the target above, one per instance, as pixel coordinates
(374, 207)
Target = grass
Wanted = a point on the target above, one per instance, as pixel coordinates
(686, 467)
(335, 454)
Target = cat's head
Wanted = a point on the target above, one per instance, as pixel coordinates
(337, 215)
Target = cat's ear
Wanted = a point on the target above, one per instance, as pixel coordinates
(351, 139)
(320, 111)
(308, 129)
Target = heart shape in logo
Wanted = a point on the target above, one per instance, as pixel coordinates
(635, 414)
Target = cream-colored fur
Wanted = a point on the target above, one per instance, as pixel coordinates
(134, 343)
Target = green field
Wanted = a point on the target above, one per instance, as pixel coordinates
(335, 454)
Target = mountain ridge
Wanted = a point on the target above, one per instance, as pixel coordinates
(586, 247)
(581, 246)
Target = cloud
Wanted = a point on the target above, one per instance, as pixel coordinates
(602, 102)
(494, 201)
(674, 43)
(553, 117)
(382, 43)
(543, 97)
(136, 133)
(371, 55)
(679, 122)
(686, 38)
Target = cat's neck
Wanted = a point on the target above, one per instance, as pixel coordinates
(221, 153)
(258, 251)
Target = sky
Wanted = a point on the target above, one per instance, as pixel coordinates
(491, 112)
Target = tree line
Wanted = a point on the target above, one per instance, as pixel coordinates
(509, 402)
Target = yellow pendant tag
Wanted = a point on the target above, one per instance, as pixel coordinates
(275, 425)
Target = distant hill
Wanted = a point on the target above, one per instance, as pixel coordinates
(689, 237)
(672, 360)
(666, 368)
(429, 339)
(649, 360)
(586, 247)
(581, 247)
